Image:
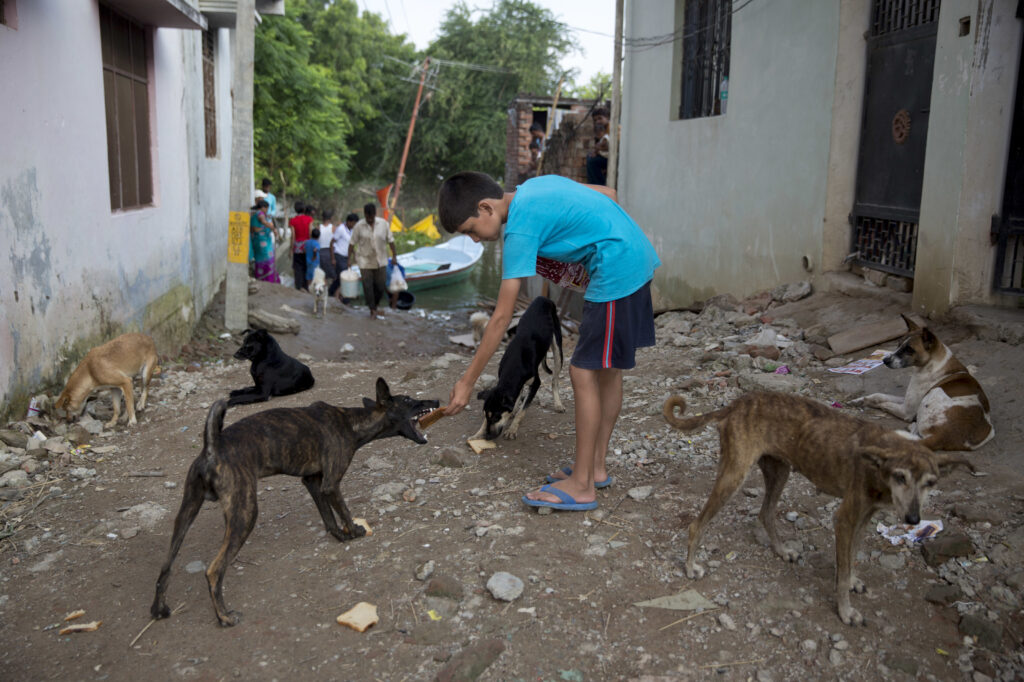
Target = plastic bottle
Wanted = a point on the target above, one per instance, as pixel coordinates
(723, 93)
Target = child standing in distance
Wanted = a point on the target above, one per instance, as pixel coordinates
(312, 251)
(300, 235)
(559, 219)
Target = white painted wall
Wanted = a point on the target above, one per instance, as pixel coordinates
(965, 165)
(71, 270)
(732, 203)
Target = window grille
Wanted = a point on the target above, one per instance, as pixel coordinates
(126, 95)
(707, 28)
(889, 16)
(209, 94)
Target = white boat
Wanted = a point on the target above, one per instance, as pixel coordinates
(433, 266)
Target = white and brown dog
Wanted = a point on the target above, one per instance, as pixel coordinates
(112, 366)
(318, 287)
(946, 404)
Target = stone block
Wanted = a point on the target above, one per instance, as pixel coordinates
(939, 550)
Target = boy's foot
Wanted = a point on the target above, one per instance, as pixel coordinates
(547, 493)
(557, 499)
(566, 472)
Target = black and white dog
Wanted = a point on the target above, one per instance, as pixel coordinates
(505, 404)
(273, 371)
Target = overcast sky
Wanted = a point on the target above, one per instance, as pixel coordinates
(420, 19)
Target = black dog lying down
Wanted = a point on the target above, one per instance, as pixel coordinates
(505, 404)
(316, 443)
(273, 371)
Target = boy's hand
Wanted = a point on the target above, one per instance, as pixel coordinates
(459, 397)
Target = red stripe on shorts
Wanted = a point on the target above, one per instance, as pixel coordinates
(609, 334)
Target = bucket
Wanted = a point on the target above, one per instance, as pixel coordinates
(349, 284)
(405, 300)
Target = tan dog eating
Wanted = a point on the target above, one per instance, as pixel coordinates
(112, 365)
(867, 466)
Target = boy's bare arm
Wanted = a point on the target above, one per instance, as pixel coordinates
(508, 293)
(607, 192)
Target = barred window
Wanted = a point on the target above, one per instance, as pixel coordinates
(8, 14)
(126, 54)
(209, 93)
(707, 28)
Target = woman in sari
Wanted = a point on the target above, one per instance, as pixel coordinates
(262, 243)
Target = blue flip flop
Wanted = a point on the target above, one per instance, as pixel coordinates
(568, 472)
(567, 502)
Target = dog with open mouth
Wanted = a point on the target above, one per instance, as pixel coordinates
(316, 443)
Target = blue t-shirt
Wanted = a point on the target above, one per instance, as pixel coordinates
(563, 220)
(312, 247)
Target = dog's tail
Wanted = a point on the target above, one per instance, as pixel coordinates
(214, 425)
(689, 423)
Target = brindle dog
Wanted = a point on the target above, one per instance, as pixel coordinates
(867, 466)
(316, 443)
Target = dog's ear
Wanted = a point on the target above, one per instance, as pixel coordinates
(873, 456)
(383, 392)
(911, 325)
(483, 395)
(947, 463)
(928, 339)
(370, 404)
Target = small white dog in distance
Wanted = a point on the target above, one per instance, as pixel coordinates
(318, 287)
(478, 321)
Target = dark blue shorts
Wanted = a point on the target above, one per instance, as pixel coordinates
(611, 332)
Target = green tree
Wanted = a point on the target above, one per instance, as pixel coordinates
(598, 87)
(483, 61)
(299, 127)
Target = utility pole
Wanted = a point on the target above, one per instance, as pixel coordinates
(236, 289)
(613, 125)
(408, 137)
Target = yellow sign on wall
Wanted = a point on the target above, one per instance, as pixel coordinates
(238, 237)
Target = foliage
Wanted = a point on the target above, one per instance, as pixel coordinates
(334, 91)
(598, 87)
(463, 122)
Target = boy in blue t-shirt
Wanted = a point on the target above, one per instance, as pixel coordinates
(312, 248)
(552, 217)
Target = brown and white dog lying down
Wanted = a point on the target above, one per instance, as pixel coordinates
(947, 405)
(109, 366)
(867, 466)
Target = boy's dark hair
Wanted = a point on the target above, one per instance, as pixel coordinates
(261, 203)
(327, 215)
(300, 208)
(265, 183)
(537, 126)
(459, 196)
(600, 111)
(315, 234)
(350, 217)
(308, 209)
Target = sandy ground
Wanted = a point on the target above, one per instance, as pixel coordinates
(95, 541)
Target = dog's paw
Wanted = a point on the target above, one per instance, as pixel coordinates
(857, 585)
(789, 550)
(511, 434)
(694, 571)
(850, 615)
(559, 408)
(160, 611)
(230, 619)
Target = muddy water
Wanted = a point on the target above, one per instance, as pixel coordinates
(464, 296)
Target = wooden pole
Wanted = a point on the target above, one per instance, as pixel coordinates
(613, 125)
(554, 108)
(236, 288)
(408, 137)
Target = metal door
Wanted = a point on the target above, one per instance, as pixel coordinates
(1008, 227)
(894, 132)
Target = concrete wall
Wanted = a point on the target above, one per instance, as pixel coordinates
(968, 142)
(732, 203)
(72, 272)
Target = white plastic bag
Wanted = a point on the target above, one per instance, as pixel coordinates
(397, 282)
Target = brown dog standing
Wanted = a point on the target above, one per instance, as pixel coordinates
(945, 403)
(865, 465)
(112, 365)
(316, 443)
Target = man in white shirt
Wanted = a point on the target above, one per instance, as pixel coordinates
(339, 252)
(369, 247)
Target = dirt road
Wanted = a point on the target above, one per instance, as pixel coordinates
(91, 530)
